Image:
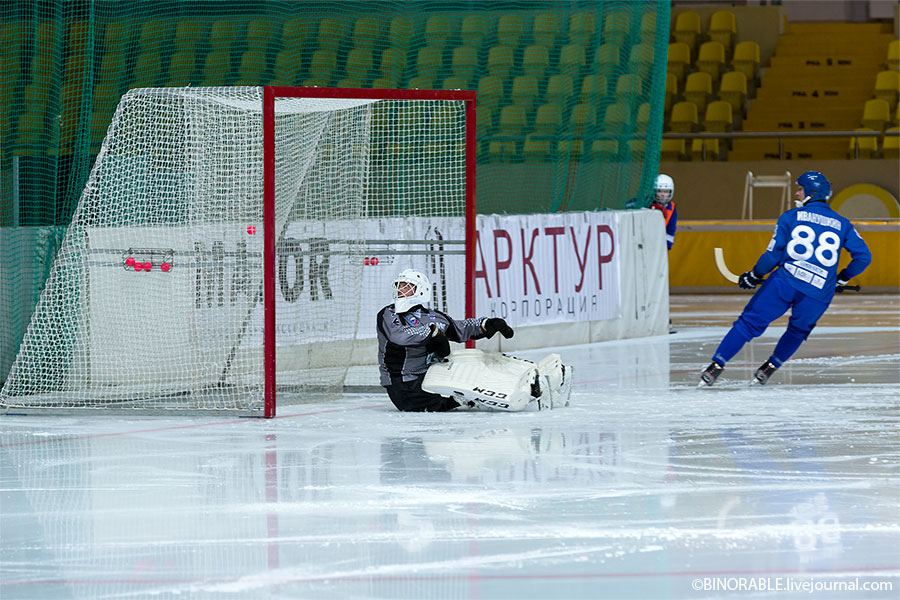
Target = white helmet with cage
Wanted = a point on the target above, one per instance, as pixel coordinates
(411, 288)
(666, 185)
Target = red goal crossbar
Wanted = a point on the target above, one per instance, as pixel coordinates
(270, 93)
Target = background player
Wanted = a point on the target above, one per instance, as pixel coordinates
(663, 194)
(806, 245)
(411, 337)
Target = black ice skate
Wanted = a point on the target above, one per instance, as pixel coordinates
(710, 374)
(764, 372)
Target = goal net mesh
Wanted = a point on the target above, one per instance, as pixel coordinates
(155, 299)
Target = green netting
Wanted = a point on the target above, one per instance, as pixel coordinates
(570, 94)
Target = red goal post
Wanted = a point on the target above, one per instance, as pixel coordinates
(270, 95)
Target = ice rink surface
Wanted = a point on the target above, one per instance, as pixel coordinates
(645, 487)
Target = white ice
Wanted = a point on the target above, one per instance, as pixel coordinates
(646, 487)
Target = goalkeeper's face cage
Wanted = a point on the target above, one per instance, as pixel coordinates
(404, 299)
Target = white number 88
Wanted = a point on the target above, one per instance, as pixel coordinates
(802, 245)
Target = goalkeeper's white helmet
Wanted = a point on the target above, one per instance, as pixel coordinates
(420, 294)
(664, 183)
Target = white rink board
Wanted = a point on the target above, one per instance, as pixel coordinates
(545, 274)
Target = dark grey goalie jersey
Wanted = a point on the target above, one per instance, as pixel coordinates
(401, 339)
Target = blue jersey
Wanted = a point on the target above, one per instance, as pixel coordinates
(807, 244)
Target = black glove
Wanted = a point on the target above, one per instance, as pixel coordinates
(438, 343)
(842, 280)
(749, 280)
(493, 325)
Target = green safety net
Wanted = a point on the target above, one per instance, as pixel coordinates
(569, 110)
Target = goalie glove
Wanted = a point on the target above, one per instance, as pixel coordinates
(493, 325)
(749, 280)
(438, 343)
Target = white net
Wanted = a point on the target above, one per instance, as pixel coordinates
(155, 300)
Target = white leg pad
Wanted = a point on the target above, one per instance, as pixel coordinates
(558, 377)
(490, 380)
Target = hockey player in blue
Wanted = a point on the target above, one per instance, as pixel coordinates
(663, 194)
(806, 246)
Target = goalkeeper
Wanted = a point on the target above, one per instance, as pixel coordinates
(412, 338)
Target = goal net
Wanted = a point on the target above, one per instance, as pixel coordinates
(231, 242)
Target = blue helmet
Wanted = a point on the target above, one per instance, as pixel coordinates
(815, 186)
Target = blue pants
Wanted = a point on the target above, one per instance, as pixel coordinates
(770, 301)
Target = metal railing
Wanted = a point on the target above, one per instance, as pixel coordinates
(780, 135)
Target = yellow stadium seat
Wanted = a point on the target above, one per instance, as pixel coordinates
(500, 60)
(502, 151)
(421, 82)
(189, 34)
(536, 61)
(890, 148)
(524, 91)
(296, 34)
(400, 33)
(582, 28)
(380, 83)
(182, 67)
(711, 59)
(455, 83)
(617, 117)
(536, 147)
(672, 150)
(705, 149)
(893, 55)
(116, 38)
(331, 34)
(512, 120)
(733, 89)
(687, 28)
(571, 59)
(584, 116)
(546, 29)
(642, 118)
(616, 27)
(719, 117)
(287, 66)
(863, 146)
(217, 68)
(746, 59)
(559, 90)
(323, 64)
(605, 150)
(876, 114)
(366, 33)
(548, 119)
(648, 28)
(678, 60)
(684, 117)
(606, 60)
(359, 64)
(223, 35)
(464, 62)
(593, 89)
(484, 120)
(698, 89)
(430, 61)
(671, 92)
(393, 64)
(351, 82)
(629, 88)
(473, 30)
(262, 35)
(640, 61)
(438, 30)
(146, 70)
(154, 36)
(510, 28)
(887, 84)
(490, 91)
(722, 29)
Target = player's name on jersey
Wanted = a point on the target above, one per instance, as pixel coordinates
(812, 217)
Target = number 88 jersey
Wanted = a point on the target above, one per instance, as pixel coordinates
(807, 245)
